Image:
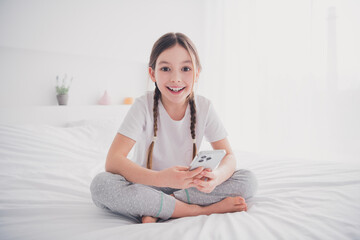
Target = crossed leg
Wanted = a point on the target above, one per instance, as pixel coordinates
(227, 205)
(114, 192)
(227, 197)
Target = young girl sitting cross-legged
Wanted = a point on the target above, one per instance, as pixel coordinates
(166, 127)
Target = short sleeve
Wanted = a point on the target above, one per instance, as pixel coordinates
(214, 129)
(134, 122)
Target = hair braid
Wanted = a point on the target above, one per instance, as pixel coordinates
(157, 95)
(193, 121)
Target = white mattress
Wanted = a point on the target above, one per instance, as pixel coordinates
(45, 173)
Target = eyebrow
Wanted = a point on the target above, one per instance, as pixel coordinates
(165, 62)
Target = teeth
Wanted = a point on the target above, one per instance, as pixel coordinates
(176, 89)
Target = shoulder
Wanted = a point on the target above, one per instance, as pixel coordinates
(142, 105)
(202, 102)
(145, 98)
(136, 118)
(144, 101)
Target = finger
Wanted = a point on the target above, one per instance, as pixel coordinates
(205, 179)
(207, 174)
(202, 189)
(182, 168)
(194, 185)
(201, 183)
(194, 172)
(191, 184)
(199, 176)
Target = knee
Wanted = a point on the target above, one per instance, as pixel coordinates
(99, 185)
(247, 183)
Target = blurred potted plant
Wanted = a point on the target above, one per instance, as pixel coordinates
(62, 90)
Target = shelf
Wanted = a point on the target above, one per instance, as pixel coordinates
(60, 115)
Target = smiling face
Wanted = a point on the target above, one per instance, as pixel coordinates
(174, 75)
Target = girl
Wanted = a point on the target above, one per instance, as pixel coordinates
(167, 126)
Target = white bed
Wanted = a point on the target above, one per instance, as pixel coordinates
(45, 173)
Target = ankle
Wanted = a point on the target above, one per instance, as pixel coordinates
(200, 210)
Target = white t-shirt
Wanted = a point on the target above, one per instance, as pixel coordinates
(174, 143)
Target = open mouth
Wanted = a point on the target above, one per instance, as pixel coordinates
(176, 90)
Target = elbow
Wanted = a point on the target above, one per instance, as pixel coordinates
(232, 161)
(115, 164)
(110, 166)
(107, 167)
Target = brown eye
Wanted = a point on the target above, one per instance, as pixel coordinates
(186, 69)
(165, 69)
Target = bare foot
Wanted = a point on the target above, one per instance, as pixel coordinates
(228, 205)
(148, 219)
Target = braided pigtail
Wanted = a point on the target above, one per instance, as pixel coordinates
(157, 95)
(193, 121)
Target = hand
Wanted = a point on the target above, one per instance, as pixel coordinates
(206, 181)
(178, 177)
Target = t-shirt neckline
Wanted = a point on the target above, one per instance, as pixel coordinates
(162, 109)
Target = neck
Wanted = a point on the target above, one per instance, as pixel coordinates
(175, 110)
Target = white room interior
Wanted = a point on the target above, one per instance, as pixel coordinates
(283, 75)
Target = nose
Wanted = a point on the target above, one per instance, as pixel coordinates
(176, 76)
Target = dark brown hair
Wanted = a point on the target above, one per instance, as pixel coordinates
(165, 42)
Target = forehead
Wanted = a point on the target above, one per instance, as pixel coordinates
(175, 54)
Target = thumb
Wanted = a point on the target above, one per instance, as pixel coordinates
(195, 172)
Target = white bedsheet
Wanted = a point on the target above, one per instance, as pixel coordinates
(45, 173)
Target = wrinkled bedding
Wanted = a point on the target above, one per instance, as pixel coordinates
(45, 174)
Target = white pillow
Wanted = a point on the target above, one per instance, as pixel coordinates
(103, 130)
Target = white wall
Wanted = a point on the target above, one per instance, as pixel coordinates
(293, 72)
(268, 66)
(102, 44)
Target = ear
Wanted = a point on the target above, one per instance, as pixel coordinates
(197, 75)
(152, 74)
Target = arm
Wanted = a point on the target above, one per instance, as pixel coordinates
(228, 164)
(220, 174)
(118, 163)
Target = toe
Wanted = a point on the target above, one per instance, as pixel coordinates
(240, 200)
(241, 207)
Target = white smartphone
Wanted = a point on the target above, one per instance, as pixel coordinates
(208, 159)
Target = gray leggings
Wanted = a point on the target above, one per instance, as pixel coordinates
(114, 192)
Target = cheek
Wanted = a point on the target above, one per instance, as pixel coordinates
(190, 81)
(161, 75)
(188, 77)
